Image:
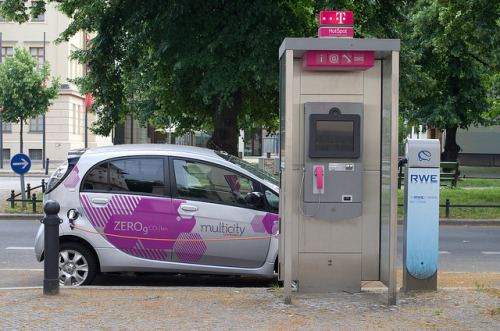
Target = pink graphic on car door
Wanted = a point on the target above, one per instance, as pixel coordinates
(73, 178)
(268, 223)
(141, 223)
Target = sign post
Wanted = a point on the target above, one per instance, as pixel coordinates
(21, 164)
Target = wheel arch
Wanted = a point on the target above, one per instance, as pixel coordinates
(81, 241)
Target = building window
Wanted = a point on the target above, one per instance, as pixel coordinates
(37, 54)
(36, 124)
(35, 154)
(39, 18)
(7, 126)
(6, 154)
(7, 52)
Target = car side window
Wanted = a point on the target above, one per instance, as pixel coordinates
(97, 178)
(135, 175)
(142, 175)
(211, 182)
(272, 201)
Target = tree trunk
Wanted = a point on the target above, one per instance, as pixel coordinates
(451, 148)
(225, 135)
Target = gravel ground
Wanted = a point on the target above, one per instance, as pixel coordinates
(249, 308)
(463, 301)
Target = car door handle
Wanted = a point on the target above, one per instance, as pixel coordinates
(189, 208)
(100, 201)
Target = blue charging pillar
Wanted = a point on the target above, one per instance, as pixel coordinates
(421, 215)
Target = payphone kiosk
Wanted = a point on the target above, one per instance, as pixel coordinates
(333, 160)
(338, 163)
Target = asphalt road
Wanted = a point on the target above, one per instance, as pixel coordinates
(464, 248)
(461, 248)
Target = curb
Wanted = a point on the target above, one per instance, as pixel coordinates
(465, 222)
(21, 217)
(36, 173)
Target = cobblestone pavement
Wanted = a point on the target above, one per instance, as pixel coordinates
(249, 308)
(475, 304)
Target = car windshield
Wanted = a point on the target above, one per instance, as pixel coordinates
(257, 171)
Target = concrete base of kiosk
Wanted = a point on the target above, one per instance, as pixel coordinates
(325, 273)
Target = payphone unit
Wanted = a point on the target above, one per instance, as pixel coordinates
(333, 160)
(338, 161)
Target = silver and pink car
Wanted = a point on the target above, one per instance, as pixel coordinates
(162, 208)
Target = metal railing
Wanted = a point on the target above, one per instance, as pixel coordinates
(448, 206)
(12, 199)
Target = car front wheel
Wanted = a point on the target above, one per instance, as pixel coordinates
(77, 265)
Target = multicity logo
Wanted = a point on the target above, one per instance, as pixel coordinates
(224, 229)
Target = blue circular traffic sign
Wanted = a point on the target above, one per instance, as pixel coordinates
(20, 163)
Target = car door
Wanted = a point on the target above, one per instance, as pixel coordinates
(127, 200)
(213, 223)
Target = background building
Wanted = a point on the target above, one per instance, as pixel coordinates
(65, 121)
(480, 146)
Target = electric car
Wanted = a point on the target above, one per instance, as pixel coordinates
(162, 208)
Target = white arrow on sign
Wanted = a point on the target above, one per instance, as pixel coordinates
(24, 163)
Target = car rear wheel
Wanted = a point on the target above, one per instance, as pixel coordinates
(77, 265)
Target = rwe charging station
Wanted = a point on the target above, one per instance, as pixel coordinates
(338, 162)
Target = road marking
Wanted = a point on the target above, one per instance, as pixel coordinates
(20, 288)
(491, 253)
(21, 269)
(444, 252)
(19, 248)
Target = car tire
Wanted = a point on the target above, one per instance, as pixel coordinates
(77, 265)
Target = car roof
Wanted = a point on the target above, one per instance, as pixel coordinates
(134, 149)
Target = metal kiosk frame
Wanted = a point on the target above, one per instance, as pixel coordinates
(323, 255)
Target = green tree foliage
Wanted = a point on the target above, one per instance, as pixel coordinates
(22, 91)
(213, 64)
(453, 57)
(208, 64)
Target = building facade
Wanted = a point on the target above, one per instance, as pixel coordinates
(66, 120)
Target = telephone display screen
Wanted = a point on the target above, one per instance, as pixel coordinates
(334, 136)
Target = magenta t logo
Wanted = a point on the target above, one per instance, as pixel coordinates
(340, 17)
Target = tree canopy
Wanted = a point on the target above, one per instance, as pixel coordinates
(209, 64)
(23, 90)
(213, 64)
(452, 56)
(206, 64)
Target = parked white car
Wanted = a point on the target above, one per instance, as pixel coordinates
(162, 208)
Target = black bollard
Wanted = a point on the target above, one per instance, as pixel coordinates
(33, 200)
(51, 242)
(12, 198)
(47, 166)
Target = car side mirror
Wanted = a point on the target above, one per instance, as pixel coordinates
(254, 198)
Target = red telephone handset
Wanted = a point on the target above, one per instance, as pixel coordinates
(319, 177)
